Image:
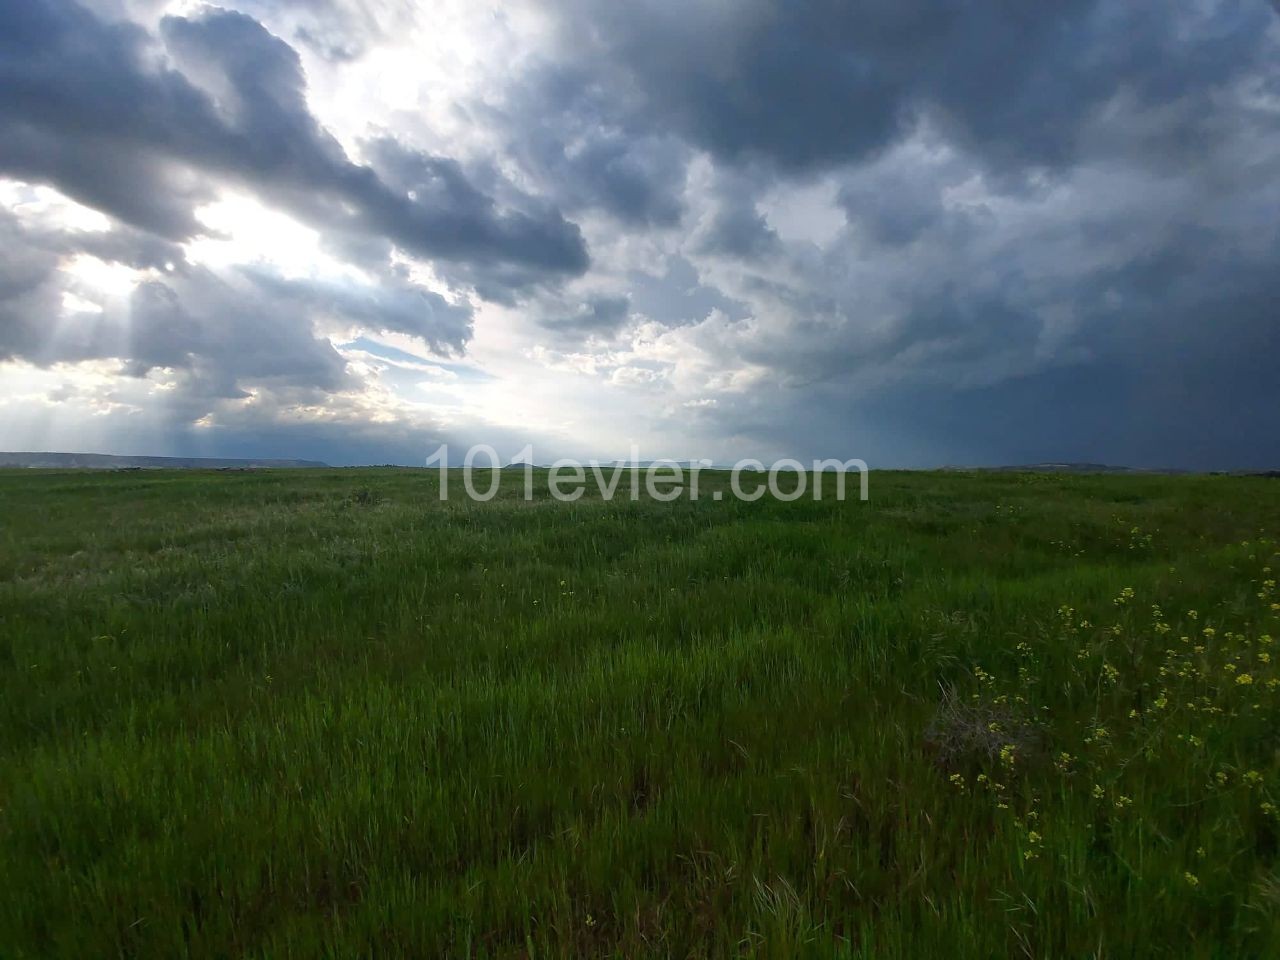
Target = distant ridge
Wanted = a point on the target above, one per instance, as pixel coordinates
(1058, 467)
(1053, 467)
(107, 461)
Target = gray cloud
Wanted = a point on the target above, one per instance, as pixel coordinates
(677, 296)
(392, 306)
(84, 106)
(28, 298)
(573, 135)
(224, 333)
(597, 315)
(816, 84)
(734, 226)
(891, 209)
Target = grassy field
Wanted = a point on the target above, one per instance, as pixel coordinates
(321, 713)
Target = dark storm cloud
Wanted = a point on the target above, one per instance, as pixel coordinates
(636, 180)
(1202, 416)
(742, 79)
(574, 136)
(91, 108)
(78, 110)
(1155, 350)
(968, 305)
(1035, 195)
(464, 221)
(822, 82)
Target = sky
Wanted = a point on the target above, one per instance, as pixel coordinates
(915, 232)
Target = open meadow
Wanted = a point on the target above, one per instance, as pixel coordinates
(321, 713)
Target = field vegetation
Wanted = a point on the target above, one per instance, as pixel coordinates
(322, 713)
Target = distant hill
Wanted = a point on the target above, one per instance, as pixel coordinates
(1052, 467)
(107, 461)
(1106, 468)
(610, 464)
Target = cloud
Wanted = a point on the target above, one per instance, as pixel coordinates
(224, 331)
(597, 315)
(338, 30)
(817, 84)
(733, 225)
(568, 131)
(220, 334)
(149, 128)
(114, 120)
(389, 306)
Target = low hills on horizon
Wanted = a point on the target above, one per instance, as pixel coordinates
(50, 460)
(111, 461)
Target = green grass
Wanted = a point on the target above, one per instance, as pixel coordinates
(297, 714)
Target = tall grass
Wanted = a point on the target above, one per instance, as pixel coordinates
(325, 714)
